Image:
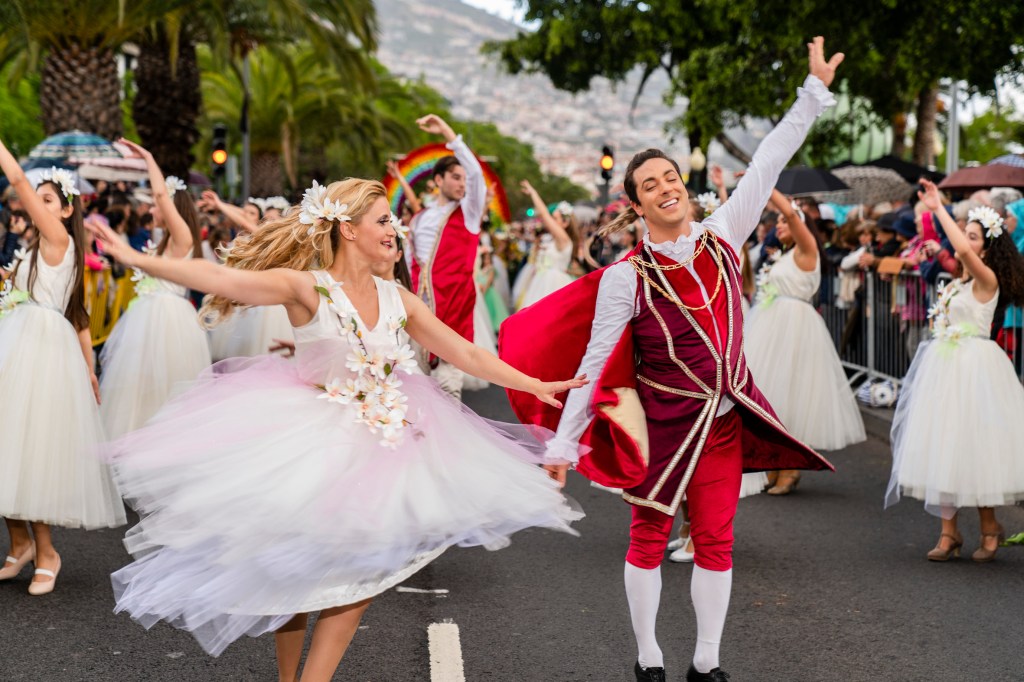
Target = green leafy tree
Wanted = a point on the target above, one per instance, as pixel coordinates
(20, 128)
(995, 133)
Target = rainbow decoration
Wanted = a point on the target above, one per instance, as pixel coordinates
(418, 163)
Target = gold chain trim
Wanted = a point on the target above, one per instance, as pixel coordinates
(641, 265)
(676, 391)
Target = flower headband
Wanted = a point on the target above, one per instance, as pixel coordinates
(401, 229)
(174, 185)
(565, 208)
(709, 202)
(259, 203)
(316, 207)
(278, 202)
(63, 178)
(987, 217)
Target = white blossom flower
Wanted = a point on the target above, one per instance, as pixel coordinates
(565, 208)
(174, 185)
(64, 178)
(357, 361)
(404, 357)
(333, 391)
(709, 202)
(335, 211)
(401, 229)
(278, 202)
(988, 218)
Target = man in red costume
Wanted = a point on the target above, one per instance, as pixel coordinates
(674, 410)
(445, 236)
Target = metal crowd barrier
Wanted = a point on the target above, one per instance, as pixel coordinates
(877, 329)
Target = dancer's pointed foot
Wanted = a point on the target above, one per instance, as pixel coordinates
(649, 674)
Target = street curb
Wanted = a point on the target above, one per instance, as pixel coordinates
(877, 421)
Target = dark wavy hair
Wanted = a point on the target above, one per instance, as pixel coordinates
(1008, 265)
(75, 312)
(629, 216)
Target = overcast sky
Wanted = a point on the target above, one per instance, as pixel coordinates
(506, 9)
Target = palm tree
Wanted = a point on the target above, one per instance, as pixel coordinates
(167, 104)
(77, 42)
(296, 96)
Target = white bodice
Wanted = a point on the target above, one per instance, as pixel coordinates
(53, 285)
(790, 281)
(550, 257)
(964, 308)
(327, 324)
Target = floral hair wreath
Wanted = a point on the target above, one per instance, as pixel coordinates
(278, 202)
(565, 208)
(259, 203)
(401, 229)
(988, 218)
(317, 208)
(709, 202)
(174, 185)
(64, 178)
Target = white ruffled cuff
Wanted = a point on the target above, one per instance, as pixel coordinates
(819, 91)
(458, 142)
(560, 450)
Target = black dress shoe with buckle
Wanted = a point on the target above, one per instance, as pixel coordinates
(716, 675)
(649, 674)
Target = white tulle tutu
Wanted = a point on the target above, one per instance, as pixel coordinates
(248, 332)
(156, 345)
(483, 336)
(958, 432)
(792, 358)
(753, 484)
(50, 471)
(259, 501)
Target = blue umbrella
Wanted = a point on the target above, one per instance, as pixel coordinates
(63, 146)
(1015, 160)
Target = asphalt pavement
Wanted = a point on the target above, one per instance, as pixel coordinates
(827, 586)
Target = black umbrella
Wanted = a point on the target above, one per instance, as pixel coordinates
(910, 172)
(802, 180)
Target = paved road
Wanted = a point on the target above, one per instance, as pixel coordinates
(827, 587)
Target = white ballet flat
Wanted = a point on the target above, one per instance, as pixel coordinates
(13, 565)
(681, 556)
(41, 588)
(677, 543)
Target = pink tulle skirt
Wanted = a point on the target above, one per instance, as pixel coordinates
(259, 501)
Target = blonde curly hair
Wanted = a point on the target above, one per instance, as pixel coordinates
(289, 243)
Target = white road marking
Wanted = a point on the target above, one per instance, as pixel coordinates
(445, 653)
(417, 590)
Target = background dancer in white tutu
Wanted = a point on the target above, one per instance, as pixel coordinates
(554, 249)
(274, 488)
(158, 342)
(958, 433)
(49, 421)
(248, 331)
(790, 351)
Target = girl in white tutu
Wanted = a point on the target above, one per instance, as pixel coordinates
(158, 342)
(554, 250)
(790, 351)
(49, 474)
(248, 331)
(958, 432)
(274, 488)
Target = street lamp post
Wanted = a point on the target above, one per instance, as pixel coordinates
(698, 162)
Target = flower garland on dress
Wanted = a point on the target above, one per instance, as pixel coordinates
(950, 335)
(10, 296)
(767, 292)
(374, 390)
(144, 283)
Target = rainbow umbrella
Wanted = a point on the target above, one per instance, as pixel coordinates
(418, 164)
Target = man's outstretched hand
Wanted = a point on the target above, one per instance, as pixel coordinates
(816, 64)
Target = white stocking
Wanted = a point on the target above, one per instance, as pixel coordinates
(709, 591)
(643, 591)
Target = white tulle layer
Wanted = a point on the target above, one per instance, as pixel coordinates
(753, 484)
(483, 336)
(49, 467)
(259, 501)
(249, 332)
(544, 282)
(958, 432)
(794, 363)
(155, 346)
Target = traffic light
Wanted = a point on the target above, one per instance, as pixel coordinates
(607, 163)
(219, 155)
(530, 212)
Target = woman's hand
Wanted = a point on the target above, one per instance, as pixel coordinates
(557, 473)
(138, 151)
(930, 197)
(816, 64)
(527, 188)
(112, 245)
(95, 386)
(547, 390)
